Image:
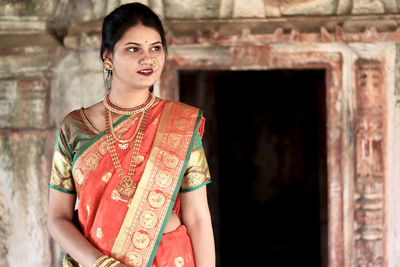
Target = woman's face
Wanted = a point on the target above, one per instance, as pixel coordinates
(134, 56)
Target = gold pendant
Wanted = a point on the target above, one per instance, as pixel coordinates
(123, 145)
(127, 187)
(139, 159)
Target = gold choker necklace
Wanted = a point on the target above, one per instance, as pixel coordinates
(111, 106)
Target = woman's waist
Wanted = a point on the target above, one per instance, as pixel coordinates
(173, 223)
(92, 222)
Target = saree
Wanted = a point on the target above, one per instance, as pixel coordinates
(173, 163)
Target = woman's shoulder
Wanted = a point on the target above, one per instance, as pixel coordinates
(183, 106)
(77, 120)
(192, 111)
(94, 111)
(70, 118)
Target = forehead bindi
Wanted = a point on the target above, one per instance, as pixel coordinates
(140, 35)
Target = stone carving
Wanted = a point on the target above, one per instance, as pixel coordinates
(187, 9)
(369, 180)
(303, 7)
(368, 7)
(273, 8)
(397, 75)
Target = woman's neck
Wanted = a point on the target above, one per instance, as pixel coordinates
(131, 98)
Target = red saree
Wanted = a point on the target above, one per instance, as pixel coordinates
(173, 161)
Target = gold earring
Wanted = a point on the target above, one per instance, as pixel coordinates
(155, 64)
(108, 67)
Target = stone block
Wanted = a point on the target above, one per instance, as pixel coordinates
(24, 176)
(248, 9)
(98, 9)
(72, 42)
(112, 4)
(374, 218)
(83, 41)
(84, 36)
(272, 8)
(397, 83)
(187, 9)
(89, 61)
(390, 6)
(344, 7)
(382, 25)
(367, 7)
(369, 155)
(251, 55)
(25, 54)
(5, 229)
(24, 103)
(373, 204)
(69, 13)
(27, 8)
(78, 82)
(210, 56)
(18, 24)
(307, 7)
(22, 64)
(371, 234)
(226, 9)
(370, 188)
(27, 43)
(144, 2)
(158, 7)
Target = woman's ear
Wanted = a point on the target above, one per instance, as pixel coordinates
(106, 55)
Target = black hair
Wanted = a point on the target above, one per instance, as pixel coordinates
(124, 17)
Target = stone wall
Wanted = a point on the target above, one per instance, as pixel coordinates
(49, 65)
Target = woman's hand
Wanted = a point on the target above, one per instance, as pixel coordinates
(62, 229)
(196, 217)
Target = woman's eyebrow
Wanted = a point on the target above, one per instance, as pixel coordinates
(133, 43)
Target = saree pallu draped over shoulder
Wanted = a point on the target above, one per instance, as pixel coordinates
(131, 231)
(152, 203)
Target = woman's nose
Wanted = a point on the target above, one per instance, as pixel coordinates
(146, 58)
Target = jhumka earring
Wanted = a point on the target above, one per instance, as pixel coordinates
(155, 64)
(108, 67)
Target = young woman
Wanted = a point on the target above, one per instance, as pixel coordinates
(134, 161)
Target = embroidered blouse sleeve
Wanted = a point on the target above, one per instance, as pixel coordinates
(197, 173)
(61, 176)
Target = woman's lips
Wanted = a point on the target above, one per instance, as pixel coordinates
(146, 72)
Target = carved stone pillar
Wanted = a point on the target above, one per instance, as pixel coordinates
(370, 131)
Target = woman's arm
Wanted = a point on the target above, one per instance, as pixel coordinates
(196, 217)
(65, 233)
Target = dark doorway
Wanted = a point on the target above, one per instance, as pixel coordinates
(265, 140)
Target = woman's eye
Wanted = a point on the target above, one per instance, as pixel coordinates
(132, 49)
(156, 48)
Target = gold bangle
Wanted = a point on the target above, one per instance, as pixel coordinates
(106, 261)
(115, 263)
(100, 261)
(109, 262)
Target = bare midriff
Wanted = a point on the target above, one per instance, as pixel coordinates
(173, 223)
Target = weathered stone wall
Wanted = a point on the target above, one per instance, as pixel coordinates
(27, 52)
(49, 65)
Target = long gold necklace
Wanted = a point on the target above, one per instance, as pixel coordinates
(127, 187)
(112, 107)
(124, 144)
